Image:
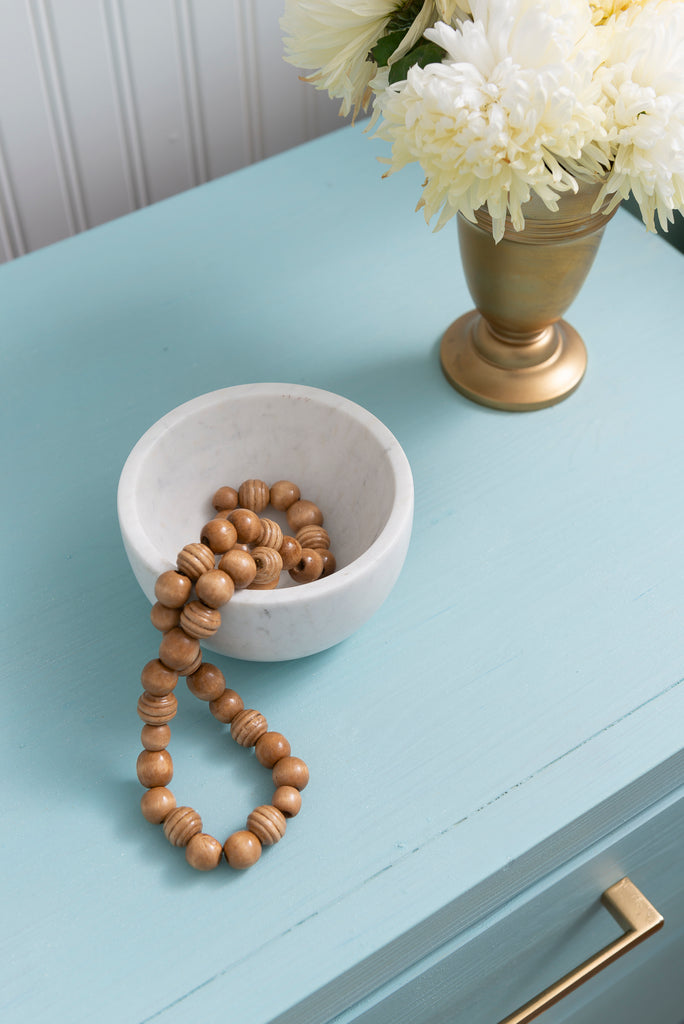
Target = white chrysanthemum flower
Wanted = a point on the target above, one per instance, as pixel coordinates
(643, 97)
(494, 121)
(601, 10)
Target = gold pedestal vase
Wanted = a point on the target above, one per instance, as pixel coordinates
(514, 351)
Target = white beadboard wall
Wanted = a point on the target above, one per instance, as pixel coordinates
(108, 105)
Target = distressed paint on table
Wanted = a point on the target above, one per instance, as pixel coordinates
(517, 697)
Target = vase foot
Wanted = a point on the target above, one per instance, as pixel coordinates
(509, 375)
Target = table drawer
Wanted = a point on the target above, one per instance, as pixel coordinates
(493, 968)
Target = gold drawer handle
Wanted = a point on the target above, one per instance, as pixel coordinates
(634, 913)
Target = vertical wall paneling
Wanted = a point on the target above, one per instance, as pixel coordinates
(11, 234)
(282, 96)
(187, 56)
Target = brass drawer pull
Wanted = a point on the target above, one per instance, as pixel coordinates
(634, 913)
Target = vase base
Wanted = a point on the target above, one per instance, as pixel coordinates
(509, 375)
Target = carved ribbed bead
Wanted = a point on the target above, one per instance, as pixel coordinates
(247, 726)
(157, 710)
(163, 618)
(290, 771)
(226, 707)
(269, 566)
(271, 535)
(304, 513)
(199, 621)
(247, 524)
(207, 683)
(225, 498)
(157, 678)
(178, 651)
(194, 560)
(218, 534)
(242, 849)
(313, 536)
(254, 494)
(215, 588)
(240, 566)
(288, 800)
(172, 589)
(267, 823)
(156, 803)
(308, 568)
(283, 494)
(203, 852)
(181, 825)
(154, 768)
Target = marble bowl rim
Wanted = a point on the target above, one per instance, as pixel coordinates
(359, 568)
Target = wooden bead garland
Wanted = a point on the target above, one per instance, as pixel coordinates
(252, 553)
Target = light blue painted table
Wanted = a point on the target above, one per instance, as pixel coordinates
(514, 709)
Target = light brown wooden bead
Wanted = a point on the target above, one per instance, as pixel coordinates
(208, 683)
(155, 737)
(226, 707)
(288, 800)
(199, 621)
(193, 666)
(269, 566)
(226, 498)
(219, 535)
(177, 650)
(172, 589)
(290, 771)
(242, 849)
(157, 710)
(290, 552)
(329, 563)
(270, 747)
(154, 768)
(215, 588)
(313, 536)
(308, 568)
(247, 726)
(203, 852)
(163, 618)
(194, 560)
(267, 823)
(156, 803)
(304, 513)
(271, 535)
(254, 494)
(283, 494)
(240, 566)
(247, 525)
(181, 824)
(157, 678)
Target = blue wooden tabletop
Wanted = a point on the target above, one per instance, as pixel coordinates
(517, 697)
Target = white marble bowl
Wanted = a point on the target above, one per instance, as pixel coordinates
(340, 455)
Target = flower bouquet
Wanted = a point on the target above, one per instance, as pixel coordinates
(509, 107)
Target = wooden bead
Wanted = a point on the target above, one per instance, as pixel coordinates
(254, 494)
(219, 535)
(203, 852)
(290, 552)
(247, 726)
(157, 678)
(242, 849)
(304, 513)
(290, 771)
(283, 494)
(288, 800)
(181, 824)
(193, 666)
(240, 566)
(199, 621)
(225, 498)
(154, 768)
(178, 650)
(269, 566)
(226, 707)
(308, 568)
(156, 803)
(247, 525)
(163, 618)
(208, 683)
(157, 710)
(271, 535)
(313, 536)
(267, 823)
(215, 588)
(194, 560)
(172, 589)
(155, 737)
(270, 747)
(329, 563)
